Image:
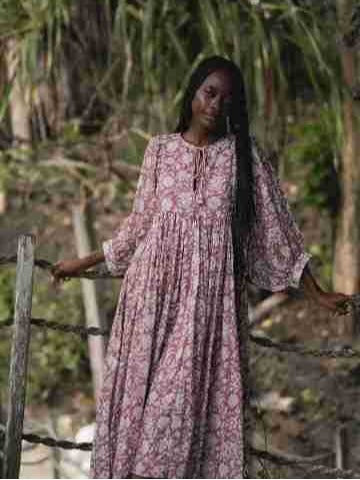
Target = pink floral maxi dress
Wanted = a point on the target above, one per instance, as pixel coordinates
(171, 401)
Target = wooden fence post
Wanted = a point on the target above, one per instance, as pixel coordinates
(19, 356)
(342, 444)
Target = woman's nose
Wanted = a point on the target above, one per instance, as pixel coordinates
(215, 105)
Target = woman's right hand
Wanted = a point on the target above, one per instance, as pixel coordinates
(65, 268)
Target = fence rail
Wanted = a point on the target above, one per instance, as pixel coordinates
(21, 323)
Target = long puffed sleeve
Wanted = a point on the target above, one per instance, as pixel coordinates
(276, 256)
(119, 249)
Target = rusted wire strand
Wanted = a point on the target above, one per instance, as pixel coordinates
(341, 351)
(77, 329)
(305, 464)
(52, 442)
(350, 306)
(100, 272)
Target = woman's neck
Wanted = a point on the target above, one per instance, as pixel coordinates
(199, 136)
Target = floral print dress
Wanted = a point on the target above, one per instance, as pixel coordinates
(171, 404)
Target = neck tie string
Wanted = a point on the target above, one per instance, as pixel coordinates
(200, 163)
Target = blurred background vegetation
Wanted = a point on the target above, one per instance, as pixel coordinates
(83, 87)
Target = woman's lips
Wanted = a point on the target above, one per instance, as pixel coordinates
(211, 118)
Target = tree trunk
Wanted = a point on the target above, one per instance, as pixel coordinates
(84, 237)
(19, 109)
(346, 276)
(19, 105)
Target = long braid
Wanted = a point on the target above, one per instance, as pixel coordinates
(243, 216)
(243, 206)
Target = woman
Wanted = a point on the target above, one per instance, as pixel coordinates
(208, 216)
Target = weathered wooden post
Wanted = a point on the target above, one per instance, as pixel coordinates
(19, 356)
(84, 236)
(341, 445)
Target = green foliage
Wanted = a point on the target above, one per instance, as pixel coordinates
(7, 302)
(57, 359)
(71, 132)
(7, 293)
(269, 470)
(30, 22)
(58, 362)
(309, 397)
(271, 370)
(147, 39)
(312, 157)
(322, 252)
(315, 151)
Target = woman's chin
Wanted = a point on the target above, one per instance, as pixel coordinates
(211, 125)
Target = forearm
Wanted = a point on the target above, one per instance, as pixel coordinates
(311, 288)
(70, 268)
(336, 302)
(91, 260)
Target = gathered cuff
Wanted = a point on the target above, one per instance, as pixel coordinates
(299, 268)
(292, 279)
(110, 261)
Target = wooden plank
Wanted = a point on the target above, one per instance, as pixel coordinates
(19, 356)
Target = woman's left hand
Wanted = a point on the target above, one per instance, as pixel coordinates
(336, 302)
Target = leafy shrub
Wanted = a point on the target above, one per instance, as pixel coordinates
(315, 152)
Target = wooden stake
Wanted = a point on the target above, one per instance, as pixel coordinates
(19, 356)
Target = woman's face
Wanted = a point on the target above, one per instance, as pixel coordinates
(212, 101)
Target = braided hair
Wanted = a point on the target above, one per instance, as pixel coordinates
(243, 207)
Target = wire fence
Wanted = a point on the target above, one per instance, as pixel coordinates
(307, 465)
(340, 351)
(100, 272)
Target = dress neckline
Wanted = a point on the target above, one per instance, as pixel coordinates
(197, 147)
